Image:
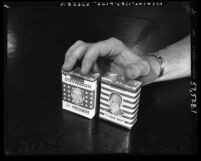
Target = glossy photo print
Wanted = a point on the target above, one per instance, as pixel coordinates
(91, 78)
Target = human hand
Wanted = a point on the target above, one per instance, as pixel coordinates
(117, 58)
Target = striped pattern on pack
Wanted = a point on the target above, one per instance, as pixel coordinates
(129, 105)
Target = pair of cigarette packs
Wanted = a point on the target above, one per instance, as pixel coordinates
(115, 98)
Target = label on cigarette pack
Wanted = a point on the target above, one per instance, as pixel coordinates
(119, 100)
(80, 92)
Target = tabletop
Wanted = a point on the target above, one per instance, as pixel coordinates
(37, 39)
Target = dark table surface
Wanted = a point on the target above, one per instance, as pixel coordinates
(35, 123)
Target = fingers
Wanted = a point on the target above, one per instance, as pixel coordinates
(76, 52)
(94, 51)
(103, 48)
(95, 68)
(90, 53)
(74, 46)
(135, 70)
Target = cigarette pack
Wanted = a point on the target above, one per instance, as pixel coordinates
(119, 100)
(80, 92)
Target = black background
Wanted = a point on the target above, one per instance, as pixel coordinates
(34, 120)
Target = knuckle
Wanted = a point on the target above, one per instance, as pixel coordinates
(115, 40)
(82, 45)
(92, 49)
(67, 54)
(79, 41)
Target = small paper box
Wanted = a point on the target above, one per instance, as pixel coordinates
(80, 92)
(119, 100)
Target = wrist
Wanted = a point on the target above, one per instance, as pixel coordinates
(154, 64)
(155, 69)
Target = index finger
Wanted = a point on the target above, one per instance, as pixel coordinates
(96, 50)
(76, 55)
(74, 46)
(102, 48)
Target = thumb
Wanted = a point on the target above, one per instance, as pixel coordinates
(138, 69)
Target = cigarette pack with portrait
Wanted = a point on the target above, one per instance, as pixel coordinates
(80, 92)
(119, 100)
